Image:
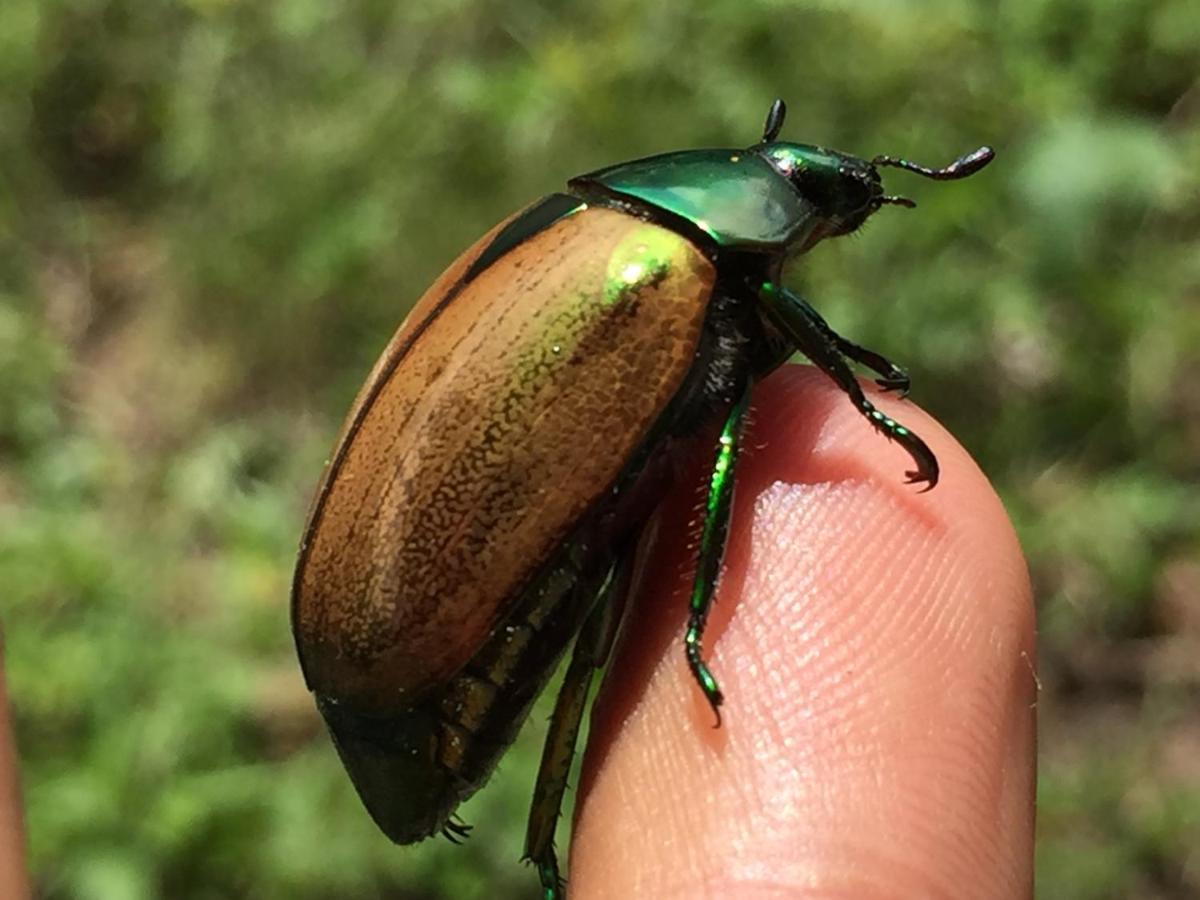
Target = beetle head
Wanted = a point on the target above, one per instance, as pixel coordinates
(844, 189)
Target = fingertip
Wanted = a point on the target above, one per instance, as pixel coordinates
(875, 645)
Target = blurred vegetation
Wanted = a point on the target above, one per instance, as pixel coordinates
(213, 213)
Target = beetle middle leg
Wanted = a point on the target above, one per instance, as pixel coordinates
(590, 653)
(718, 506)
(791, 314)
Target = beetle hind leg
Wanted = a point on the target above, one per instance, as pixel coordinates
(718, 506)
(590, 653)
(816, 340)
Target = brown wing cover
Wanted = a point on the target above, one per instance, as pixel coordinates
(486, 430)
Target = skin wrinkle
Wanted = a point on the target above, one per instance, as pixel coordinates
(957, 578)
(689, 854)
(948, 623)
(904, 829)
(936, 751)
(916, 625)
(917, 622)
(786, 778)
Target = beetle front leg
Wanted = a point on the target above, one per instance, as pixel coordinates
(891, 376)
(718, 506)
(794, 316)
(590, 653)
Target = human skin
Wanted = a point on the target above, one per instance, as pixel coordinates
(875, 646)
(14, 880)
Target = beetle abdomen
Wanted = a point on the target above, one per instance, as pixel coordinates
(413, 767)
(472, 457)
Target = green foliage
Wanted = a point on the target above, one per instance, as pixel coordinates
(212, 214)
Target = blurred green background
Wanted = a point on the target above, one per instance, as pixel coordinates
(213, 213)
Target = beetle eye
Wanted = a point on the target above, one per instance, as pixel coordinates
(815, 185)
(787, 162)
(855, 189)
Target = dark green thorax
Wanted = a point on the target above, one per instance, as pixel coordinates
(774, 198)
(734, 197)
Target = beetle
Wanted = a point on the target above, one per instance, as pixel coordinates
(484, 500)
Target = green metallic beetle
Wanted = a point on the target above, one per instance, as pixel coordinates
(483, 503)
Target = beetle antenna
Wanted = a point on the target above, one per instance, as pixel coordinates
(965, 165)
(774, 121)
(898, 201)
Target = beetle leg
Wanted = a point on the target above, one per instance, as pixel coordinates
(794, 316)
(456, 831)
(717, 508)
(891, 376)
(591, 651)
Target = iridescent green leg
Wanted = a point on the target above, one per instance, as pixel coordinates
(794, 317)
(591, 651)
(891, 376)
(717, 508)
